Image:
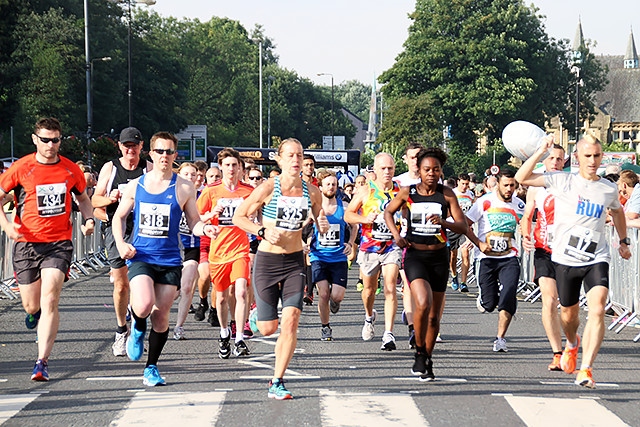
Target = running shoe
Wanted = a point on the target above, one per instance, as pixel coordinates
(200, 311)
(585, 378)
(247, 332)
(405, 321)
(419, 364)
(359, 285)
(308, 296)
(428, 376)
(326, 333)
(135, 344)
(31, 321)
(232, 325)
(368, 330)
(192, 309)
(213, 318)
(388, 341)
(241, 349)
(555, 363)
(500, 345)
(438, 338)
(151, 376)
(224, 348)
(412, 339)
(481, 309)
(569, 358)
(253, 320)
(178, 333)
(278, 391)
(379, 288)
(464, 288)
(40, 371)
(119, 346)
(454, 283)
(127, 316)
(334, 306)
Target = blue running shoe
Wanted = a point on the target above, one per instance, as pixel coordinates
(253, 321)
(454, 283)
(405, 321)
(135, 344)
(31, 321)
(40, 371)
(151, 377)
(278, 391)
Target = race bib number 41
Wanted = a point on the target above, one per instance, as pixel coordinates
(154, 220)
(229, 207)
(51, 199)
(291, 212)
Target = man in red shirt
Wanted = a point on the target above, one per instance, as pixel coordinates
(42, 231)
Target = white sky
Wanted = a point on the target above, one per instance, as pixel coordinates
(358, 39)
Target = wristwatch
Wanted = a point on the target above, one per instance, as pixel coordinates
(626, 241)
(261, 232)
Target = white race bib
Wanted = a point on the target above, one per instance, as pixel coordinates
(229, 208)
(291, 212)
(379, 229)
(419, 214)
(51, 199)
(154, 220)
(184, 226)
(331, 238)
(582, 244)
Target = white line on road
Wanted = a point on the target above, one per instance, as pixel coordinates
(358, 409)
(138, 378)
(11, 404)
(169, 409)
(268, 377)
(3, 380)
(438, 379)
(543, 412)
(571, 383)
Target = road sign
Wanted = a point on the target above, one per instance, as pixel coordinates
(495, 170)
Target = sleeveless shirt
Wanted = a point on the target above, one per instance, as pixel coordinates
(420, 207)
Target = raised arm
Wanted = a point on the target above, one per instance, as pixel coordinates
(525, 174)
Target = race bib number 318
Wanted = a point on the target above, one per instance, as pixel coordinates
(154, 220)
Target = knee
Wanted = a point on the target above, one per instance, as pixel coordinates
(323, 293)
(268, 327)
(597, 311)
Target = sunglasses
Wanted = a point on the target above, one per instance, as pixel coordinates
(255, 178)
(168, 151)
(48, 140)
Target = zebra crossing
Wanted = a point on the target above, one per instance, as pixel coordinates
(165, 408)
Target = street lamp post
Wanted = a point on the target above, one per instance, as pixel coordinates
(260, 86)
(270, 80)
(87, 67)
(332, 120)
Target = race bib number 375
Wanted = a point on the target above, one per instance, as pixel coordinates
(51, 199)
(154, 220)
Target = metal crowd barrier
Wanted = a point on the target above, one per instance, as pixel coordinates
(88, 255)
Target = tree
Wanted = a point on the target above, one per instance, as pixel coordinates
(483, 63)
(355, 97)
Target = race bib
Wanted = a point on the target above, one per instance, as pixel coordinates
(331, 238)
(291, 212)
(420, 226)
(500, 243)
(582, 244)
(51, 199)
(184, 226)
(379, 229)
(154, 220)
(229, 208)
(465, 204)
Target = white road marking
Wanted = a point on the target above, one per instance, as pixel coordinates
(268, 377)
(358, 409)
(138, 378)
(11, 404)
(3, 380)
(571, 383)
(438, 379)
(169, 409)
(543, 412)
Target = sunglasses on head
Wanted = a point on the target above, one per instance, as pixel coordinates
(168, 151)
(47, 140)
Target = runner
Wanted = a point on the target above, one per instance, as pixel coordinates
(377, 253)
(580, 249)
(329, 251)
(457, 241)
(229, 252)
(158, 199)
(538, 198)
(426, 258)
(43, 183)
(497, 215)
(279, 264)
(191, 256)
(113, 178)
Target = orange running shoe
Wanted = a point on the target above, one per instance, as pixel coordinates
(569, 359)
(585, 378)
(555, 363)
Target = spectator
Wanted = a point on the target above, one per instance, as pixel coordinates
(629, 188)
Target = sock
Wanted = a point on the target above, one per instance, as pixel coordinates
(325, 325)
(557, 352)
(368, 318)
(203, 301)
(225, 332)
(239, 337)
(410, 329)
(157, 340)
(422, 350)
(121, 329)
(276, 380)
(140, 323)
(572, 345)
(584, 367)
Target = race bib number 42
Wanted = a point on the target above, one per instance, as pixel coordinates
(154, 220)
(291, 212)
(51, 199)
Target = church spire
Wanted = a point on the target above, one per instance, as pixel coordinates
(631, 56)
(578, 43)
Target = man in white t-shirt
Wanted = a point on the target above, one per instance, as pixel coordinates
(465, 198)
(580, 248)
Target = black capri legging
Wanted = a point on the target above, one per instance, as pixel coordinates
(275, 277)
(432, 266)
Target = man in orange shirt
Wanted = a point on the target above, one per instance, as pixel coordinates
(229, 252)
(42, 230)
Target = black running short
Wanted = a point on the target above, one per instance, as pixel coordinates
(191, 254)
(278, 277)
(543, 265)
(432, 266)
(29, 258)
(113, 255)
(160, 274)
(570, 279)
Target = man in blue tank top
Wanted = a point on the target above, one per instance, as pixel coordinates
(154, 256)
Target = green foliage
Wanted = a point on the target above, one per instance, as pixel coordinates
(355, 97)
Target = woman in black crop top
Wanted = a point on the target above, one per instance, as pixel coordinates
(426, 256)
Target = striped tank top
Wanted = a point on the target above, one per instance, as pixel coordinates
(289, 212)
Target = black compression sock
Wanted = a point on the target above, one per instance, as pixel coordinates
(140, 322)
(157, 340)
(121, 329)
